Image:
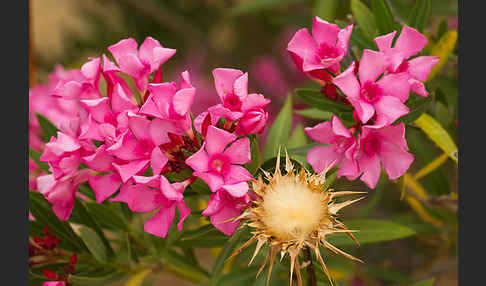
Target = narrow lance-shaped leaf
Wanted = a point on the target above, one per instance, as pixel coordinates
(419, 15)
(94, 244)
(438, 134)
(280, 130)
(42, 211)
(371, 231)
(48, 128)
(88, 220)
(36, 157)
(443, 49)
(314, 113)
(223, 255)
(383, 16)
(364, 18)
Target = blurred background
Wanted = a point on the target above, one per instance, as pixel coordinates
(252, 35)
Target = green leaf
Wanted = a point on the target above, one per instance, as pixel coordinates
(442, 29)
(428, 282)
(204, 236)
(315, 113)
(252, 167)
(179, 265)
(364, 18)
(443, 49)
(138, 278)
(48, 129)
(223, 255)
(314, 98)
(252, 6)
(438, 134)
(326, 9)
(87, 219)
(36, 157)
(388, 274)
(112, 218)
(240, 277)
(94, 243)
(417, 106)
(298, 137)
(371, 231)
(419, 15)
(330, 178)
(303, 150)
(280, 130)
(358, 39)
(400, 8)
(96, 280)
(383, 17)
(42, 211)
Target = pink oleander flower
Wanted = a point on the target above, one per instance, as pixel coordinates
(139, 64)
(386, 146)
(237, 105)
(408, 44)
(80, 84)
(369, 96)
(341, 149)
(152, 193)
(223, 206)
(168, 102)
(61, 192)
(219, 165)
(323, 50)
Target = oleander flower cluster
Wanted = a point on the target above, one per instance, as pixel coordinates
(377, 87)
(126, 136)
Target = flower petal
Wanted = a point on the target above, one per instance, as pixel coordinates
(224, 80)
(324, 32)
(347, 82)
(322, 158)
(104, 186)
(239, 151)
(396, 85)
(217, 140)
(370, 165)
(157, 160)
(371, 65)
(199, 161)
(160, 223)
(237, 190)
(410, 42)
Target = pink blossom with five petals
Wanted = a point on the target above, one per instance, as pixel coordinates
(382, 146)
(341, 149)
(369, 95)
(408, 44)
(219, 165)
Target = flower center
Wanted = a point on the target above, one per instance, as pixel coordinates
(327, 52)
(232, 102)
(370, 92)
(341, 144)
(370, 146)
(219, 163)
(292, 211)
(403, 67)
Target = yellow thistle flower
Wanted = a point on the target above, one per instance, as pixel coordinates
(292, 212)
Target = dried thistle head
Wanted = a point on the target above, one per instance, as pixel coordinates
(291, 212)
